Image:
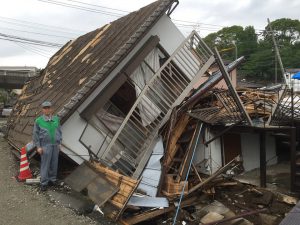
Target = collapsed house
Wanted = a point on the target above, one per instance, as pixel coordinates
(140, 115)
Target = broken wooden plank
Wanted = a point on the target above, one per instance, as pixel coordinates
(173, 189)
(188, 156)
(100, 190)
(175, 135)
(196, 172)
(154, 213)
(287, 199)
(216, 174)
(127, 186)
(226, 184)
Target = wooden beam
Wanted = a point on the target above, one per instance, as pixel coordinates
(216, 174)
(189, 153)
(196, 172)
(176, 133)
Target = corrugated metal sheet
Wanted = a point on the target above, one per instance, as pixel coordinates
(78, 67)
(293, 217)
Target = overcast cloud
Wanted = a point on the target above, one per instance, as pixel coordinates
(67, 23)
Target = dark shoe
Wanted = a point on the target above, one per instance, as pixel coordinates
(43, 188)
(52, 183)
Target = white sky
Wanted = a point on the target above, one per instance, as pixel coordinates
(208, 16)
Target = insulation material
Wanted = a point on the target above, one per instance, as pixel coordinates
(140, 77)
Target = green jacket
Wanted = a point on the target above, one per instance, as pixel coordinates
(46, 132)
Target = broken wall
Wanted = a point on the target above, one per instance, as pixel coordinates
(251, 147)
(209, 158)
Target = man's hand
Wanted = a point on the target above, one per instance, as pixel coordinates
(40, 151)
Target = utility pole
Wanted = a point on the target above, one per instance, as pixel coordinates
(277, 52)
(275, 69)
(233, 42)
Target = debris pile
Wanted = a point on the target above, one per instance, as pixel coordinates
(179, 184)
(217, 106)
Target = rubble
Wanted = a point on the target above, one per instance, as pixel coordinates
(211, 217)
(182, 183)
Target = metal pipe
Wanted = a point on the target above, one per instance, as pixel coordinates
(212, 81)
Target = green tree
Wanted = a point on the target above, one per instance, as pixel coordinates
(286, 31)
(259, 52)
(230, 39)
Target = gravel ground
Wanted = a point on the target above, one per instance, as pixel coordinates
(22, 204)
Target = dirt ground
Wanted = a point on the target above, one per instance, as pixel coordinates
(22, 204)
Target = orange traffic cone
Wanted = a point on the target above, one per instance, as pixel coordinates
(25, 172)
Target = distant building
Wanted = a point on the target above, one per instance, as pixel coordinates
(14, 77)
(22, 71)
(292, 82)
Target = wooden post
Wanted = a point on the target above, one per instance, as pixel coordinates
(263, 166)
(293, 158)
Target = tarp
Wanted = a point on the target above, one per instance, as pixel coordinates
(296, 76)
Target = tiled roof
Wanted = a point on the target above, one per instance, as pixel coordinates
(80, 66)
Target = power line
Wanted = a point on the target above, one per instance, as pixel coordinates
(99, 6)
(41, 49)
(38, 33)
(42, 25)
(191, 22)
(117, 14)
(82, 8)
(23, 23)
(28, 41)
(208, 27)
(31, 50)
(196, 27)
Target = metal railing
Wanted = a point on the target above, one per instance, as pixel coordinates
(228, 113)
(129, 149)
(287, 109)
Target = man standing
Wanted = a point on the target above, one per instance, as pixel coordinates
(47, 138)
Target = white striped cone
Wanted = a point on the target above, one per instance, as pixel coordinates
(25, 172)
